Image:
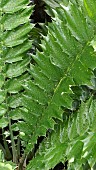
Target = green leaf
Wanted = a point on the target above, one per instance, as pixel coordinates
(5, 166)
(15, 54)
(11, 6)
(3, 122)
(90, 8)
(3, 109)
(2, 95)
(17, 36)
(16, 19)
(1, 80)
(16, 69)
(67, 60)
(15, 85)
(15, 43)
(14, 101)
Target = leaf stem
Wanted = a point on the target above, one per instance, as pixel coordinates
(14, 151)
(7, 154)
(22, 162)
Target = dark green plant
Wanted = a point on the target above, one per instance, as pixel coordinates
(14, 63)
(63, 88)
(56, 96)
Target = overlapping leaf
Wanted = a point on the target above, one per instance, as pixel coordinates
(14, 60)
(70, 142)
(67, 59)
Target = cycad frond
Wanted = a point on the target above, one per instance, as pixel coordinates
(14, 60)
(68, 59)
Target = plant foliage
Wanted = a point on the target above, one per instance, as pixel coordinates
(63, 69)
(55, 97)
(14, 60)
(6, 165)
